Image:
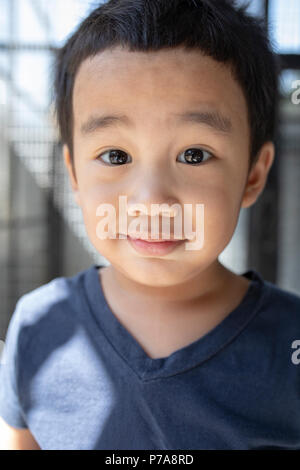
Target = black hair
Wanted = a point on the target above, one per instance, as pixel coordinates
(220, 29)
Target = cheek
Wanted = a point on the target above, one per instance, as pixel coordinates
(93, 193)
(221, 212)
(93, 198)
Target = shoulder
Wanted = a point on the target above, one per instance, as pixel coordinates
(273, 331)
(56, 293)
(282, 300)
(48, 308)
(279, 312)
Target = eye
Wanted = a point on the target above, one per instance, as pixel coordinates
(114, 157)
(195, 156)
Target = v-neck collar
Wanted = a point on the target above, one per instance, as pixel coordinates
(185, 358)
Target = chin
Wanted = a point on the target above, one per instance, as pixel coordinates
(155, 272)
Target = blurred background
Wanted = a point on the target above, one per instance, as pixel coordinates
(42, 235)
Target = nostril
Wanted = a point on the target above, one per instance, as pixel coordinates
(133, 212)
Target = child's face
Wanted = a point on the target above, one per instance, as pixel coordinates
(150, 88)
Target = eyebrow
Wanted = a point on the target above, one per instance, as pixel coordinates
(213, 119)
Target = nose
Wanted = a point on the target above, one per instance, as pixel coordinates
(153, 195)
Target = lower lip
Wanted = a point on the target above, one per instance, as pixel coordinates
(154, 248)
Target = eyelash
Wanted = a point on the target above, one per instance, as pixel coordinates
(190, 148)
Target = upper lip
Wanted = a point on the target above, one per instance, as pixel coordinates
(147, 237)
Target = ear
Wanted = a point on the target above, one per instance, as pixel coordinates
(71, 172)
(257, 177)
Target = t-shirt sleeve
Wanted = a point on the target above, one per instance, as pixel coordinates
(10, 407)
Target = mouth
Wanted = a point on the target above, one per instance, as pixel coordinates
(159, 247)
(147, 238)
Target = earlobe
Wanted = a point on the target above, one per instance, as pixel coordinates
(70, 170)
(257, 177)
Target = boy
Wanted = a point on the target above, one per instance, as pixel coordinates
(168, 103)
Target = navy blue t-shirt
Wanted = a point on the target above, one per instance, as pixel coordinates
(77, 378)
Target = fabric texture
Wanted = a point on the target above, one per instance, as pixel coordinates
(76, 377)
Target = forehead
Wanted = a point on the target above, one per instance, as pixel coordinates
(154, 86)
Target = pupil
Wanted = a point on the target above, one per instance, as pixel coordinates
(118, 157)
(194, 155)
